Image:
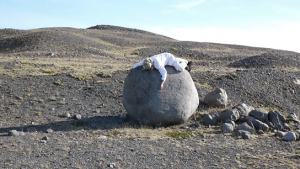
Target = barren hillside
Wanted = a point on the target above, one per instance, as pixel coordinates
(48, 73)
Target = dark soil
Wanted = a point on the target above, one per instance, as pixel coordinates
(262, 78)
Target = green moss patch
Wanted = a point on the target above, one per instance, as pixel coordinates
(179, 134)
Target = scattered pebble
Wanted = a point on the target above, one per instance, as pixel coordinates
(49, 131)
(78, 116)
(112, 165)
(184, 127)
(45, 138)
(102, 137)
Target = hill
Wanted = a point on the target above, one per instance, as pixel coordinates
(48, 73)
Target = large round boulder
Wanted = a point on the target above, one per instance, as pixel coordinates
(145, 103)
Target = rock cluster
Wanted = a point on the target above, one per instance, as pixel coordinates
(253, 121)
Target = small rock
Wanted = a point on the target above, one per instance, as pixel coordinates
(259, 115)
(279, 134)
(43, 141)
(15, 133)
(208, 120)
(244, 109)
(50, 54)
(184, 127)
(245, 134)
(227, 128)
(230, 122)
(246, 127)
(291, 117)
(229, 114)
(112, 165)
(286, 126)
(290, 136)
(216, 98)
(243, 119)
(196, 125)
(276, 118)
(78, 116)
(45, 138)
(260, 132)
(296, 121)
(102, 137)
(49, 131)
(297, 134)
(260, 125)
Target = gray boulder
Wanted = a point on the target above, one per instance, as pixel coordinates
(145, 103)
(259, 115)
(229, 114)
(216, 98)
(244, 109)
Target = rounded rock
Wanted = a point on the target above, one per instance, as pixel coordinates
(216, 98)
(229, 114)
(145, 103)
(227, 128)
(290, 136)
(260, 115)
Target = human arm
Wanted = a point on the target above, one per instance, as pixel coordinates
(138, 64)
(163, 73)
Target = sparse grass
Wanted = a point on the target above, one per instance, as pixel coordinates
(179, 134)
(267, 109)
(50, 72)
(58, 82)
(80, 68)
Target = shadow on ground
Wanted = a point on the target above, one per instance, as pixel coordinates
(93, 123)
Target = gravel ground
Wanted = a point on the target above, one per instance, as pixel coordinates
(262, 78)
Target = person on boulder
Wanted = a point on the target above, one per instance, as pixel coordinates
(160, 61)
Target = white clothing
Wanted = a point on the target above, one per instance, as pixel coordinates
(163, 59)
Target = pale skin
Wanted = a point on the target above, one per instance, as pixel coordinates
(161, 85)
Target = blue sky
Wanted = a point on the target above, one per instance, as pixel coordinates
(260, 23)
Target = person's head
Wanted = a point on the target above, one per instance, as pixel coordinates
(148, 64)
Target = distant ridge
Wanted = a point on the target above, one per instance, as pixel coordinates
(119, 28)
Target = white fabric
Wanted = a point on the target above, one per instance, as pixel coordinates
(164, 59)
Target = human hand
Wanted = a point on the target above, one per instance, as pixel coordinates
(161, 85)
